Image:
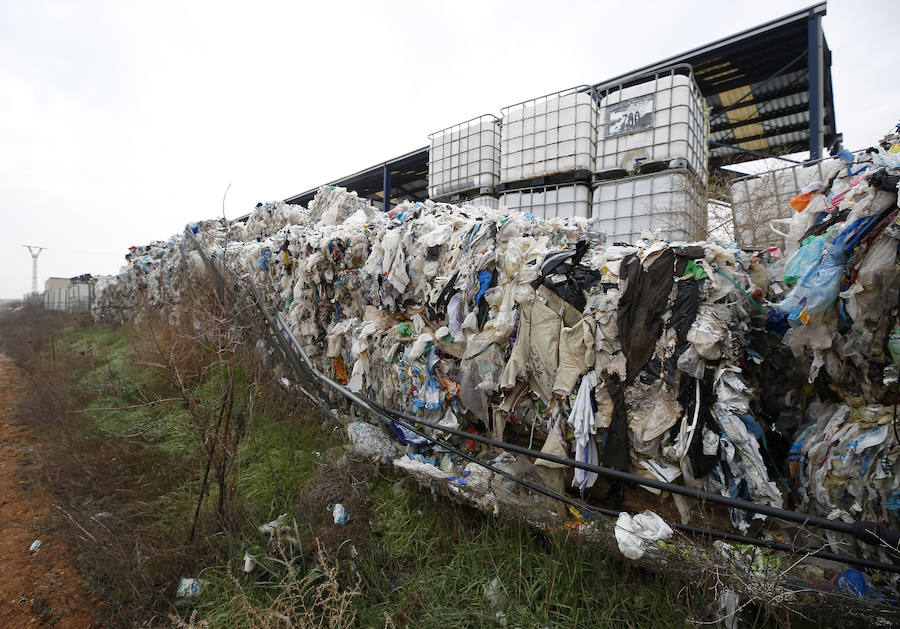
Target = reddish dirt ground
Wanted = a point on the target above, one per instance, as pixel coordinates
(41, 588)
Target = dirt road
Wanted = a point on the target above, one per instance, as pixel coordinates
(40, 588)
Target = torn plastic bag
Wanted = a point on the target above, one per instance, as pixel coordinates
(555, 444)
(804, 260)
(633, 534)
(708, 333)
(819, 288)
(653, 414)
(692, 363)
(370, 441)
(480, 375)
(801, 222)
(876, 272)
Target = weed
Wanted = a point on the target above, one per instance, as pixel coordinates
(298, 598)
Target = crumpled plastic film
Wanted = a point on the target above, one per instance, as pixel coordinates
(634, 533)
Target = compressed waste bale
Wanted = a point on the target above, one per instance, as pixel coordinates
(696, 363)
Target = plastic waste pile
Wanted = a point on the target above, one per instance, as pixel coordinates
(839, 318)
(151, 278)
(492, 322)
(743, 373)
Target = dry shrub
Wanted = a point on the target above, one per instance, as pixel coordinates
(26, 332)
(167, 345)
(344, 481)
(106, 492)
(107, 510)
(311, 599)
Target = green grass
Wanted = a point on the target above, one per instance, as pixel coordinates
(278, 458)
(431, 565)
(420, 562)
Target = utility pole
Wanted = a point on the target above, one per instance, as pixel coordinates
(35, 251)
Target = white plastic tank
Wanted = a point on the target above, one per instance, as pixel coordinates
(659, 117)
(464, 158)
(550, 135)
(759, 202)
(671, 203)
(562, 201)
(482, 200)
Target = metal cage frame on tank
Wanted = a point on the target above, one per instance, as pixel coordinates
(661, 121)
(453, 169)
(760, 203)
(671, 202)
(550, 135)
(538, 204)
(481, 200)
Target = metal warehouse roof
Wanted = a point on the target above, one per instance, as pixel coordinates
(408, 176)
(757, 84)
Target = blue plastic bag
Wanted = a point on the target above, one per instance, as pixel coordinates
(823, 288)
(819, 288)
(804, 259)
(855, 582)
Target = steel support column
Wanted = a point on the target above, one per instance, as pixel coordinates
(816, 65)
(386, 187)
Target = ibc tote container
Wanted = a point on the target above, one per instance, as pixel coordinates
(671, 202)
(482, 200)
(563, 201)
(550, 135)
(657, 117)
(465, 158)
(758, 200)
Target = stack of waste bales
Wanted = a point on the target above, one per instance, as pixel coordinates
(839, 318)
(499, 323)
(754, 375)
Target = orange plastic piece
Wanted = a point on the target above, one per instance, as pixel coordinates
(800, 201)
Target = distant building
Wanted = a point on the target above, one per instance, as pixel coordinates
(69, 294)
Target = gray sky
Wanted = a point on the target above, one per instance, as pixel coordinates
(120, 121)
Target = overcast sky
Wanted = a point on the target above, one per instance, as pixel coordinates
(120, 121)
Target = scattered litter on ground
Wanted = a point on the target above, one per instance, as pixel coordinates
(249, 563)
(495, 594)
(274, 525)
(633, 533)
(189, 587)
(340, 514)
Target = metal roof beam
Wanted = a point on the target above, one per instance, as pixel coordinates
(766, 117)
(767, 98)
(773, 133)
(753, 91)
(759, 57)
(755, 153)
(816, 62)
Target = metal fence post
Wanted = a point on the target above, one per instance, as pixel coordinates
(386, 186)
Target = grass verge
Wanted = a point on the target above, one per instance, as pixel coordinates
(127, 475)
